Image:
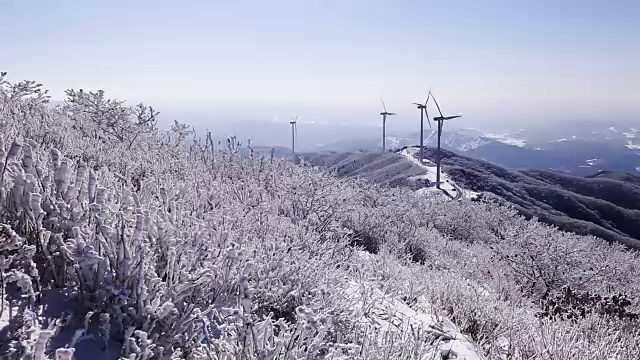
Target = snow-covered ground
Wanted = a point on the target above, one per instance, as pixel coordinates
(4, 316)
(390, 314)
(632, 146)
(591, 162)
(506, 139)
(394, 142)
(446, 183)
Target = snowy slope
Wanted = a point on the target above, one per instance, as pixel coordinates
(390, 314)
(446, 184)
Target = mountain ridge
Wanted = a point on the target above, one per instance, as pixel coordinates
(606, 204)
(583, 154)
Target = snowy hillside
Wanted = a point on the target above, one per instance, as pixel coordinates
(122, 241)
(447, 185)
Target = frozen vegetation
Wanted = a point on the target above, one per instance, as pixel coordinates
(119, 240)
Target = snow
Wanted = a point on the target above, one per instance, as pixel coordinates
(470, 132)
(612, 128)
(386, 312)
(446, 184)
(631, 133)
(638, 169)
(515, 142)
(392, 142)
(632, 146)
(504, 138)
(4, 317)
(462, 143)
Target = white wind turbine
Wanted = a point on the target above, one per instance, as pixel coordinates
(384, 114)
(440, 121)
(294, 134)
(423, 113)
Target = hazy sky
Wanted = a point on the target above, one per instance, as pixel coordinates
(487, 59)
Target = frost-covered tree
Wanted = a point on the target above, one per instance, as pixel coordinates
(165, 246)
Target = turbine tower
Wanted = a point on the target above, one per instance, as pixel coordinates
(440, 120)
(294, 134)
(423, 112)
(384, 125)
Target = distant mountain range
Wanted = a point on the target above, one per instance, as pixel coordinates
(580, 151)
(604, 204)
(575, 147)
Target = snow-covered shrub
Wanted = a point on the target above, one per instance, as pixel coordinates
(166, 245)
(150, 266)
(111, 121)
(570, 304)
(541, 259)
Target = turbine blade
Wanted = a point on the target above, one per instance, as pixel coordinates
(430, 95)
(437, 105)
(383, 105)
(426, 114)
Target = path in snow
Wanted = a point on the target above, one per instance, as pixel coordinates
(447, 185)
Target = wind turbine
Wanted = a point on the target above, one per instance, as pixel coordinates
(440, 120)
(294, 134)
(384, 124)
(423, 112)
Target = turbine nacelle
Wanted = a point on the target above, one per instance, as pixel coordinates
(384, 108)
(423, 111)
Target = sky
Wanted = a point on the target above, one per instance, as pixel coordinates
(331, 61)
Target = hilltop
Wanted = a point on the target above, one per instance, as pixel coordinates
(119, 240)
(606, 204)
